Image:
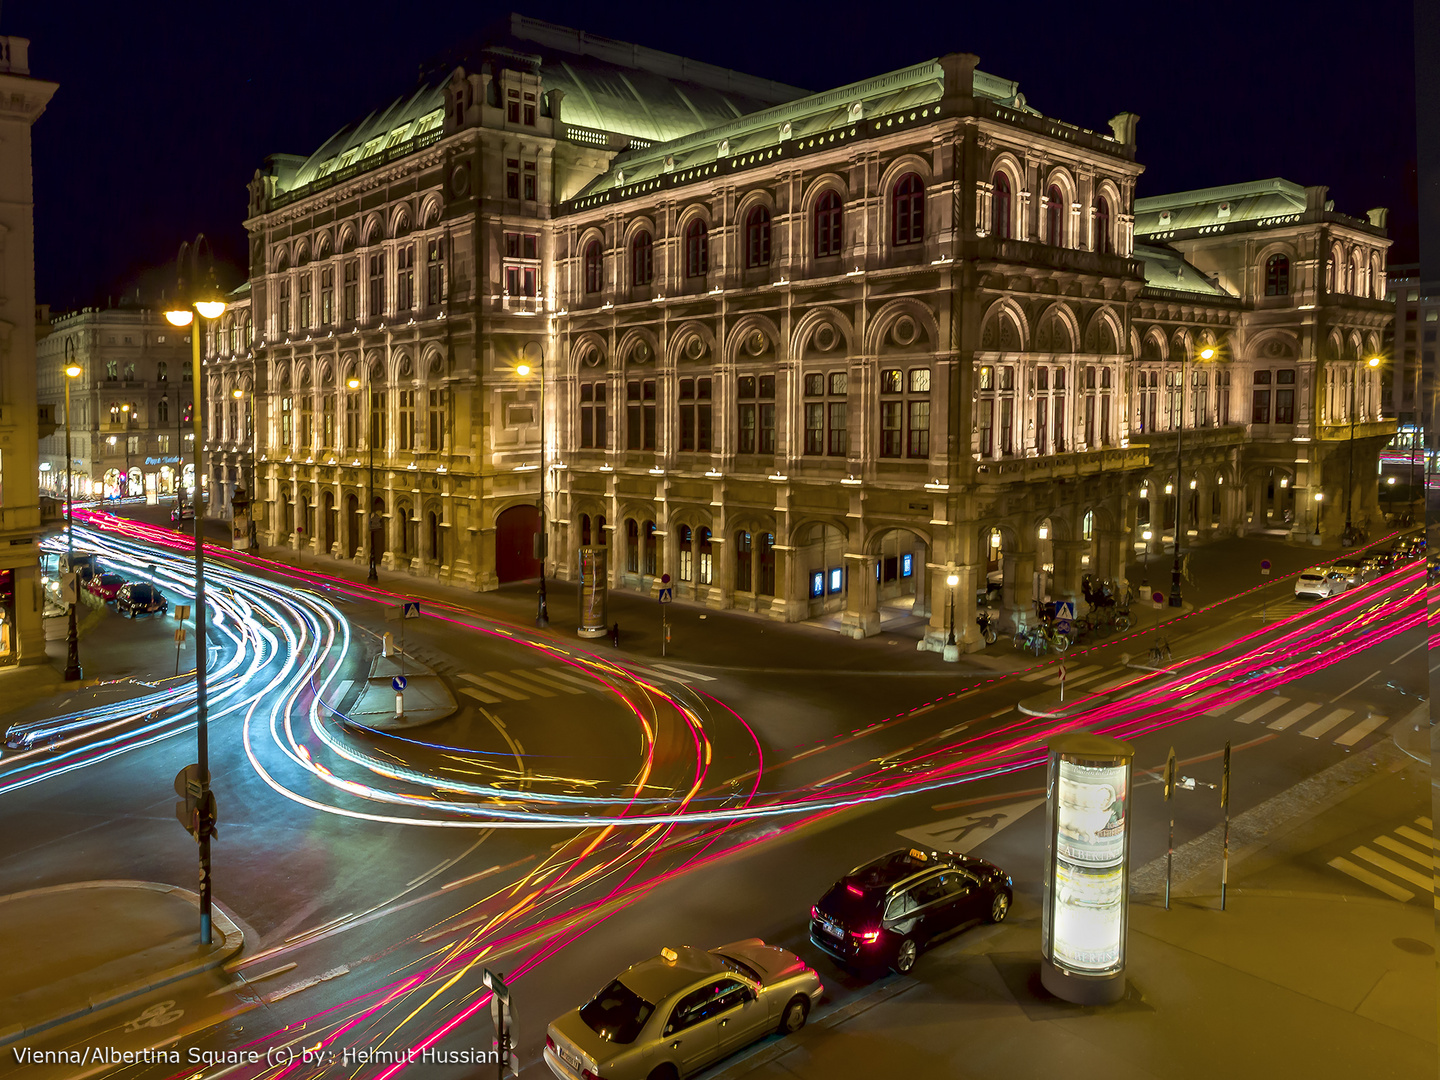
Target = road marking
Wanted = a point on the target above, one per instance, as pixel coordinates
(1357, 686)
(1048, 672)
(1405, 851)
(481, 695)
(333, 973)
(683, 673)
(571, 677)
(1221, 710)
(494, 688)
(1375, 881)
(1297, 713)
(1360, 730)
(1425, 881)
(1419, 837)
(1325, 723)
(1113, 683)
(340, 692)
(510, 680)
(1260, 710)
(545, 680)
(1407, 652)
(962, 834)
(1424, 823)
(1070, 681)
(467, 880)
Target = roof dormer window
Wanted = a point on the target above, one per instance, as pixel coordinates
(1222, 211)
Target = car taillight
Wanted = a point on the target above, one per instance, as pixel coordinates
(853, 889)
(867, 937)
(586, 1074)
(549, 1043)
(814, 912)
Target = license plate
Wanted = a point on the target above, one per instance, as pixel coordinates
(833, 930)
(573, 1060)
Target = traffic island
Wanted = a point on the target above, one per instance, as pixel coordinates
(74, 949)
(401, 693)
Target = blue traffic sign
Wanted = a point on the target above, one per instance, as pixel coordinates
(412, 609)
(398, 682)
(666, 595)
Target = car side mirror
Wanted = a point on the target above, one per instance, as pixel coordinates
(751, 995)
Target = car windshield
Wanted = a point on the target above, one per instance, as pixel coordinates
(617, 1013)
(1310, 577)
(740, 968)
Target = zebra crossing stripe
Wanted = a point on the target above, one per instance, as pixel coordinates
(480, 695)
(1405, 851)
(680, 671)
(1375, 881)
(1417, 836)
(1424, 823)
(545, 680)
(1360, 730)
(1325, 723)
(1404, 873)
(1221, 710)
(1260, 710)
(510, 680)
(1297, 713)
(494, 688)
(570, 677)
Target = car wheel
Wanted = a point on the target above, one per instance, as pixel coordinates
(795, 1014)
(664, 1072)
(999, 907)
(905, 956)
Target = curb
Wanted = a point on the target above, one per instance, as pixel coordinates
(233, 942)
(1412, 734)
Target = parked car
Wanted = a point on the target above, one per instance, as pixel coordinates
(884, 913)
(1409, 547)
(105, 586)
(140, 598)
(676, 1013)
(1355, 570)
(1321, 582)
(1381, 562)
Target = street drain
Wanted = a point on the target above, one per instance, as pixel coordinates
(1414, 945)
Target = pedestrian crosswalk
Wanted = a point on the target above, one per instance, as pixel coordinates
(1256, 710)
(1401, 863)
(525, 684)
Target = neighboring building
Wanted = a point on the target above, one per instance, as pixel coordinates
(128, 405)
(22, 100)
(809, 354)
(1410, 347)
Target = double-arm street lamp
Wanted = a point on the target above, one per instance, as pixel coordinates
(239, 395)
(73, 672)
(1206, 353)
(1372, 363)
(199, 298)
(542, 536)
(371, 420)
(125, 487)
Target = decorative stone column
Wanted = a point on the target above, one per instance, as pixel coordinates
(1017, 597)
(1067, 568)
(861, 618)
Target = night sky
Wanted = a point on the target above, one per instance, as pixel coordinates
(166, 108)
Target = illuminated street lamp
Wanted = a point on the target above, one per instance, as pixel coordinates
(1349, 537)
(73, 672)
(354, 384)
(1390, 496)
(199, 297)
(1319, 498)
(542, 536)
(1207, 353)
(952, 649)
(239, 395)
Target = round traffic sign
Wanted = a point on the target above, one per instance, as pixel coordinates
(1158, 599)
(398, 682)
(1264, 564)
(664, 579)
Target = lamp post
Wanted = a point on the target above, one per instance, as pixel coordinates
(1373, 362)
(201, 299)
(73, 672)
(1207, 353)
(542, 537)
(1390, 496)
(1415, 441)
(952, 649)
(354, 384)
(1319, 499)
(239, 395)
(125, 487)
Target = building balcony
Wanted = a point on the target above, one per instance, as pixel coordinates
(1204, 438)
(995, 249)
(1075, 464)
(1363, 429)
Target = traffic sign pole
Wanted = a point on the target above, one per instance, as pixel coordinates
(1169, 794)
(1062, 683)
(1225, 806)
(665, 595)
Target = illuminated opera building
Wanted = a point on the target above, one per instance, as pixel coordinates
(810, 354)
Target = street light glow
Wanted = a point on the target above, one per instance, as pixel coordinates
(953, 580)
(237, 393)
(522, 369)
(73, 371)
(210, 309)
(353, 383)
(1207, 353)
(179, 317)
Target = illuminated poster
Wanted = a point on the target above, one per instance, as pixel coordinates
(1089, 888)
(594, 589)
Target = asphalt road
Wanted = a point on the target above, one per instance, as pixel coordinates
(388, 925)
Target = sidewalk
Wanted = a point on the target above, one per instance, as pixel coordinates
(426, 697)
(72, 949)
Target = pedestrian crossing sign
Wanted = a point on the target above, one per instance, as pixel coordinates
(666, 595)
(412, 609)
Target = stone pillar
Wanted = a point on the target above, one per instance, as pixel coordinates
(861, 618)
(1017, 598)
(924, 596)
(972, 582)
(783, 600)
(1067, 569)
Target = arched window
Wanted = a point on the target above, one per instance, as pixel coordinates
(632, 545)
(1277, 276)
(163, 410)
(757, 238)
(1000, 205)
(697, 249)
(687, 557)
(907, 210)
(829, 222)
(1055, 216)
(584, 530)
(1103, 241)
(642, 264)
(601, 536)
(594, 267)
(162, 371)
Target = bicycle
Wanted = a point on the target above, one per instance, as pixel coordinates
(1038, 638)
(1160, 652)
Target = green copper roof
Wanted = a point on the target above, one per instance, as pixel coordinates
(912, 87)
(1165, 268)
(608, 85)
(1252, 201)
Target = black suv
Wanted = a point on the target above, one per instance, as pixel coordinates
(140, 598)
(883, 913)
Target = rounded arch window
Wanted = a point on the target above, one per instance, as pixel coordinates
(829, 224)
(1000, 199)
(697, 249)
(907, 210)
(594, 267)
(1103, 241)
(1277, 275)
(642, 262)
(757, 237)
(1055, 215)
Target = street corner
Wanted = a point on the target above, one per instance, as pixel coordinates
(401, 693)
(75, 948)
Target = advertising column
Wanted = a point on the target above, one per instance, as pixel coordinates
(1086, 887)
(594, 588)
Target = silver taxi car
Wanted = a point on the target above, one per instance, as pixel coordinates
(679, 1012)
